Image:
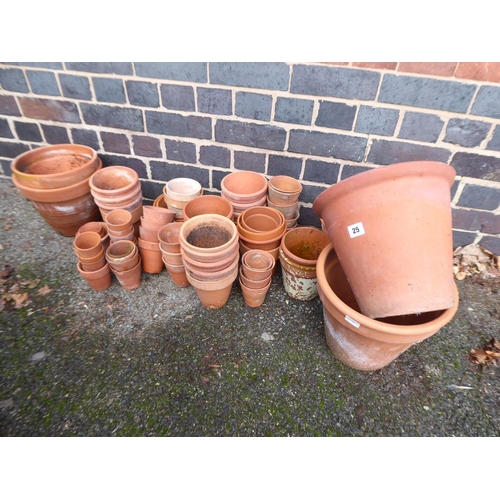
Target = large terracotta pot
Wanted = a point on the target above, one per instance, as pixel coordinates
(362, 342)
(391, 228)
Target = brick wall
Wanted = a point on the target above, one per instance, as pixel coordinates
(317, 122)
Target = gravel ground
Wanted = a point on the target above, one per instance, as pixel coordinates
(154, 362)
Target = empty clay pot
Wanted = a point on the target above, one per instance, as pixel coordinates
(178, 275)
(114, 181)
(94, 266)
(99, 279)
(122, 255)
(284, 190)
(88, 244)
(253, 283)
(208, 204)
(288, 211)
(254, 297)
(130, 279)
(151, 256)
(168, 236)
(257, 264)
(244, 186)
(158, 214)
(119, 221)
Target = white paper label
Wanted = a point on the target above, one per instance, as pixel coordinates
(356, 229)
(352, 321)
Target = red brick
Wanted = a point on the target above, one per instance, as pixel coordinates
(8, 106)
(482, 71)
(48, 109)
(376, 65)
(428, 68)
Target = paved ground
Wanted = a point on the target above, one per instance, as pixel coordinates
(155, 362)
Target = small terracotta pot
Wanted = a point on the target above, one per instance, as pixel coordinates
(158, 214)
(213, 265)
(168, 236)
(129, 236)
(94, 266)
(254, 297)
(113, 181)
(131, 198)
(182, 189)
(120, 250)
(148, 234)
(131, 278)
(239, 207)
(174, 259)
(91, 260)
(220, 272)
(94, 227)
(99, 279)
(268, 245)
(88, 244)
(119, 220)
(208, 204)
(160, 202)
(151, 224)
(260, 219)
(178, 275)
(284, 190)
(244, 186)
(273, 251)
(257, 264)
(151, 256)
(252, 283)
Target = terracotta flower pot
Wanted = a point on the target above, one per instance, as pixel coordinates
(54, 167)
(151, 256)
(122, 255)
(362, 342)
(123, 235)
(174, 259)
(160, 202)
(253, 283)
(148, 234)
(178, 275)
(158, 214)
(391, 228)
(257, 264)
(216, 271)
(88, 244)
(114, 181)
(168, 236)
(288, 211)
(238, 208)
(119, 221)
(244, 186)
(212, 265)
(213, 294)
(94, 227)
(94, 266)
(130, 279)
(99, 279)
(273, 251)
(90, 260)
(182, 189)
(254, 297)
(151, 224)
(208, 204)
(284, 190)
(261, 218)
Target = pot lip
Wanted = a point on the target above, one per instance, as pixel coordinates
(268, 255)
(176, 225)
(211, 263)
(244, 196)
(282, 191)
(382, 174)
(99, 273)
(261, 281)
(195, 186)
(255, 290)
(123, 225)
(265, 242)
(128, 271)
(208, 198)
(129, 255)
(148, 245)
(423, 330)
(215, 284)
(117, 169)
(302, 229)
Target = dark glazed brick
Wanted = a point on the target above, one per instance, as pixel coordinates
(179, 71)
(321, 171)
(180, 151)
(109, 90)
(454, 188)
(350, 170)
(162, 171)
(116, 68)
(308, 217)
(47, 109)
(293, 110)
(55, 135)
(5, 164)
(217, 176)
(492, 244)
(8, 106)
(421, 127)
(379, 121)
(112, 116)
(250, 134)
(151, 190)
(43, 82)
(143, 94)
(46, 65)
(477, 166)
(76, 87)
(12, 149)
(199, 127)
(215, 101)
(494, 143)
(179, 97)
(5, 130)
(482, 197)
(345, 83)
(13, 80)
(339, 146)
(134, 163)
(462, 239)
(146, 146)
(115, 143)
(246, 160)
(310, 193)
(28, 131)
(487, 102)
(468, 133)
(86, 137)
(385, 152)
(336, 115)
(476, 220)
(284, 165)
(426, 93)
(215, 156)
(257, 75)
(253, 106)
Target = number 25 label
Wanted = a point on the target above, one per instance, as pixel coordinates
(356, 229)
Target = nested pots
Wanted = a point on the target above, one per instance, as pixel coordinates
(158, 214)
(257, 264)
(392, 230)
(284, 190)
(87, 245)
(168, 236)
(361, 342)
(208, 204)
(122, 255)
(151, 255)
(99, 279)
(178, 192)
(244, 189)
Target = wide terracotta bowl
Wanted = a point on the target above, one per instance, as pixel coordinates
(244, 186)
(284, 190)
(54, 167)
(208, 204)
(182, 189)
(114, 181)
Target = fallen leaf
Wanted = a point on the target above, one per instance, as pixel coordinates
(45, 290)
(6, 272)
(460, 276)
(20, 299)
(32, 284)
(490, 353)
(8, 227)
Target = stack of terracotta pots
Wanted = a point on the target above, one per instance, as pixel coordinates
(120, 225)
(118, 187)
(299, 251)
(168, 236)
(56, 181)
(208, 204)
(210, 253)
(244, 189)
(261, 228)
(256, 272)
(283, 195)
(92, 263)
(125, 262)
(97, 227)
(177, 192)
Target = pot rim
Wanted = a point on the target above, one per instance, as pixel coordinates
(267, 255)
(126, 243)
(288, 178)
(393, 333)
(120, 170)
(208, 197)
(194, 188)
(244, 196)
(297, 230)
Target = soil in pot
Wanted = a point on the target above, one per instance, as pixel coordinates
(208, 236)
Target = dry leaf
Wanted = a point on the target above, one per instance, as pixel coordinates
(31, 284)
(490, 354)
(7, 227)
(45, 290)
(460, 275)
(20, 299)
(6, 272)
